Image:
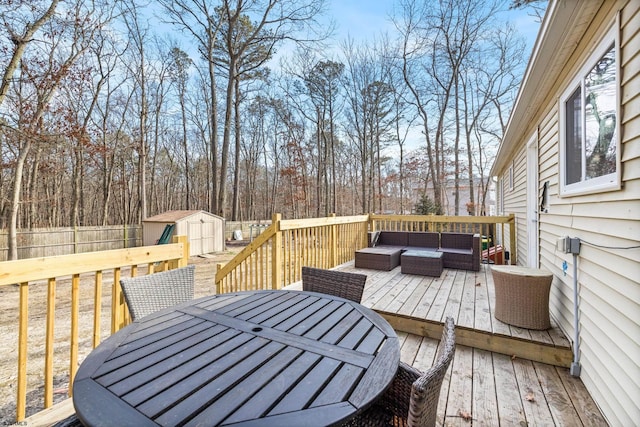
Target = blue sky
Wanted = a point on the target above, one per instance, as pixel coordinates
(365, 19)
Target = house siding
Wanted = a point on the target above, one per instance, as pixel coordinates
(607, 275)
(515, 201)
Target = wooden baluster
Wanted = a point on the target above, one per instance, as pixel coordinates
(75, 310)
(21, 402)
(48, 352)
(97, 308)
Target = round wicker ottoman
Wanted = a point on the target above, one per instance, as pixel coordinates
(522, 296)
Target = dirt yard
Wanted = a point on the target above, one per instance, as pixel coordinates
(9, 304)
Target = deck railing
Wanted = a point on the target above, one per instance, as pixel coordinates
(69, 270)
(275, 258)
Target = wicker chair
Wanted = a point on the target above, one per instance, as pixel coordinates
(412, 398)
(153, 292)
(338, 283)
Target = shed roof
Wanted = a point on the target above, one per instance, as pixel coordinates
(173, 216)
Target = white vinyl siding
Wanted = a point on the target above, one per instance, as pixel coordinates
(515, 202)
(608, 275)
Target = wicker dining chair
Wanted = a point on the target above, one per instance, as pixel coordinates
(147, 294)
(331, 282)
(412, 398)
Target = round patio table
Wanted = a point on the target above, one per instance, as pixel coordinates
(278, 358)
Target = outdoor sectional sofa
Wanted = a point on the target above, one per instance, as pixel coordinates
(459, 250)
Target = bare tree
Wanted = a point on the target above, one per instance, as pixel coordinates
(199, 19)
(138, 32)
(370, 93)
(68, 37)
(273, 22)
(180, 63)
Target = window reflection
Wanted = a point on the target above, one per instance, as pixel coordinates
(600, 117)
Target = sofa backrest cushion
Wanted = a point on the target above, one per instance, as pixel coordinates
(392, 238)
(456, 240)
(423, 239)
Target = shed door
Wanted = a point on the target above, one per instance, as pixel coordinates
(201, 237)
(532, 203)
(195, 238)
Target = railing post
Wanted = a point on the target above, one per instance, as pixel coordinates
(333, 241)
(276, 252)
(364, 241)
(512, 238)
(218, 282)
(184, 260)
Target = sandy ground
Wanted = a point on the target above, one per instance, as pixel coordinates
(9, 305)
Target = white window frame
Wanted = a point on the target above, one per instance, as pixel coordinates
(603, 183)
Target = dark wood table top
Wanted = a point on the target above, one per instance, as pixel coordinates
(277, 358)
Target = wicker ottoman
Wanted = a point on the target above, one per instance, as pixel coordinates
(386, 258)
(424, 263)
(522, 296)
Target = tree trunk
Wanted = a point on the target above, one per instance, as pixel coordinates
(226, 137)
(236, 168)
(15, 201)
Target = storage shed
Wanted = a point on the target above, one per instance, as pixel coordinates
(204, 230)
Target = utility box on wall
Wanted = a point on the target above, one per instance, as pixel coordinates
(204, 230)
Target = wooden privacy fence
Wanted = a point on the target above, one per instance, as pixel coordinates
(275, 258)
(46, 242)
(68, 271)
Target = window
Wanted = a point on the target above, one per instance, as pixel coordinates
(589, 135)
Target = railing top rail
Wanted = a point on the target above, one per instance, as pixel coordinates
(292, 224)
(444, 218)
(248, 250)
(27, 270)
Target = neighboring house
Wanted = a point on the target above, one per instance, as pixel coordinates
(569, 165)
(204, 230)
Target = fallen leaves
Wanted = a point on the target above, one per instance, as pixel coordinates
(465, 415)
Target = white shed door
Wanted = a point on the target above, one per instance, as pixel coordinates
(195, 238)
(201, 237)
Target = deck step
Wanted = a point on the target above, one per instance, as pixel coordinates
(483, 340)
(59, 415)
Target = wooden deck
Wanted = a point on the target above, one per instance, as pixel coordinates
(496, 378)
(419, 305)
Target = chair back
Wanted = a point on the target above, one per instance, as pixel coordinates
(147, 294)
(425, 391)
(331, 282)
